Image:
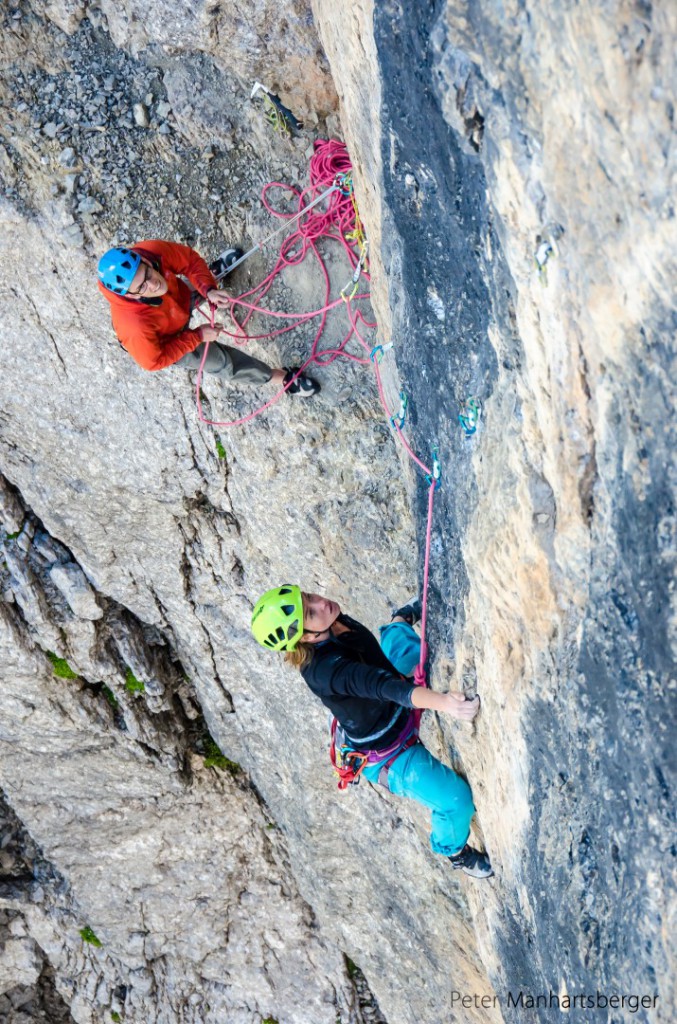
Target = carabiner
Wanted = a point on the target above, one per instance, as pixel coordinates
(360, 263)
(435, 478)
(343, 180)
(353, 293)
(469, 418)
(378, 351)
(398, 420)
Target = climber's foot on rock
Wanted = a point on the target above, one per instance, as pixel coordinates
(304, 387)
(474, 863)
(410, 612)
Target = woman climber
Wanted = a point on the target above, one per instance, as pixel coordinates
(151, 308)
(376, 709)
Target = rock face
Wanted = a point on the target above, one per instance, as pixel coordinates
(537, 215)
(29, 884)
(171, 782)
(179, 901)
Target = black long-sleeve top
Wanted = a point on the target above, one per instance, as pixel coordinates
(353, 678)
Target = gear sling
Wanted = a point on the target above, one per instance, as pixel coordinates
(349, 763)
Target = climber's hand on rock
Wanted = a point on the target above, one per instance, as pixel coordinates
(218, 298)
(208, 333)
(454, 703)
(462, 707)
(458, 706)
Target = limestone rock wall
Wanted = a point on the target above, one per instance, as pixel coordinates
(165, 853)
(113, 776)
(27, 977)
(527, 161)
(511, 170)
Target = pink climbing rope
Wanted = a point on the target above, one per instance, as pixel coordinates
(420, 677)
(329, 165)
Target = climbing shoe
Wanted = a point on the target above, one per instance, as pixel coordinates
(411, 612)
(474, 863)
(303, 386)
(219, 266)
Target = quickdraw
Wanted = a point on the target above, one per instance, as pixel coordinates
(361, 262)
(348, 763)
(434, 478)
(397, 421)
(378, 351)
(278, 116)
(356, 274)
(469, 416)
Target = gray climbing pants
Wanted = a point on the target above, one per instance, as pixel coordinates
(224, 361)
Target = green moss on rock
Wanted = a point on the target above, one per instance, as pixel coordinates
(132, 684)
(60, 667)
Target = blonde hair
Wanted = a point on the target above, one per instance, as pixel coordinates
(300, 656)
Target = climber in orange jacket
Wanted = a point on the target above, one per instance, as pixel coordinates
(151, 308)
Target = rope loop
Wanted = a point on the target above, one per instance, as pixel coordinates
(420, 677)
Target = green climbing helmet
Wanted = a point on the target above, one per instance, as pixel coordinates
(277, 619)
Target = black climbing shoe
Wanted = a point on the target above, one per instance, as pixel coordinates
(303, 386)
(225, 259)
(474, 863)
(411, 612)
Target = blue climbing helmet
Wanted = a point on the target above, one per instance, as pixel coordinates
(117, 268)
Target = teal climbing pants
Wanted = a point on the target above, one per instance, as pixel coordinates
(420, 776)
(401, 645)
(415, 773)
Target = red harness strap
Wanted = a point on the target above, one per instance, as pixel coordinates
(349, 764)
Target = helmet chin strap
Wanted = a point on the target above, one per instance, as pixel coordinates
(320, 632)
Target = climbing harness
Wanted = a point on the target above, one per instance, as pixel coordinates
(349, 763)
(384, 770)
(279, 117)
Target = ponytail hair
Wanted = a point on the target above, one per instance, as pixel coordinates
(300, 656)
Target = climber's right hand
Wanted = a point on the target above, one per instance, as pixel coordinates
(458, 706)
(208, 333)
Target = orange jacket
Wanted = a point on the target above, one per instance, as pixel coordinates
(157, 336)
